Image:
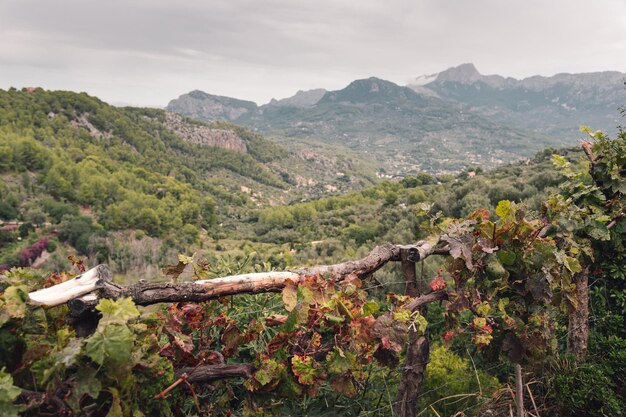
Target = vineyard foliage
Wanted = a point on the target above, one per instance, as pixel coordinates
(338, 342)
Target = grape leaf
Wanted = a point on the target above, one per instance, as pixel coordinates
(117, 311)
(340, 362)
(8, 393)
(290, 295)
(343, 385)
(303, 367)
(113, 342)
(370, 307)
(86, 384)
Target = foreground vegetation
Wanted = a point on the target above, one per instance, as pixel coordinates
(522, 242)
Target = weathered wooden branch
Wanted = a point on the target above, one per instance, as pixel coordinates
(98, 281)
(587, 148)
(423, 300)
(208, 373)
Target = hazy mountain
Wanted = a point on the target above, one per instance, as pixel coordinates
(202, 106)
(444, 121)
(396, 127)
(554, 106)
(300, 99)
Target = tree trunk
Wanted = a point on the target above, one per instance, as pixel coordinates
(519, 390)
(417, 351)
(578, 328)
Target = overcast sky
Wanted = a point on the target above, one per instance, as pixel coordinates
(147, 52)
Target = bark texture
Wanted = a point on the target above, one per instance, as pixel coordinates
(209, 373)
(578, 327)
(418, 349)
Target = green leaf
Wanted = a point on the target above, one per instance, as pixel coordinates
(269, 371)
(483, 309)
(402, 315)
(340, 362)
(506, 257)
(370, 307)
(15, 301)
(304, 368)
(572, 264)
(505, 210)
(8, 391)
(292, 321)
(119, 311)
(86, 384)
(114, 342)
(116, 406)
(494, 268)
(334, 318)
(70, 353)
(559, 162)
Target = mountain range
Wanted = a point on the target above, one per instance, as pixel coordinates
(442, 122)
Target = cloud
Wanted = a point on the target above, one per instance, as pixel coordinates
(149, 51)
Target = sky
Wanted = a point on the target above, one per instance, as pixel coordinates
(147, 52)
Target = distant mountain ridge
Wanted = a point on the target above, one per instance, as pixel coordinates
(442, 122)
(553, 106)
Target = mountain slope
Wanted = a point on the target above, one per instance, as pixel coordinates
(397, 129)
(553, 106)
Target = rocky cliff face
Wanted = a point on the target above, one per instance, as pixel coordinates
(204, 135)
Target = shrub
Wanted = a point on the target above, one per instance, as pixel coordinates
(583, 390)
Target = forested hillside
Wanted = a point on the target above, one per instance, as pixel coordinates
(76, 168)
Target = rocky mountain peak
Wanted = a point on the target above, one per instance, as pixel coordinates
(200, 105)
(464, 74)
(370, 90)
(302, 98)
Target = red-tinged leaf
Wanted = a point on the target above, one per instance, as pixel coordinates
(352, 279)
(480, 213)
(253, 331)
(390, 345)
(78, 263)
(290, 295)
(344, 386)
(168, 351)
(276, 320)
(437, 284)
(303, 367)
(278, 342)
(231, 337)
(394, 331)
(363, 327)
(448, 336)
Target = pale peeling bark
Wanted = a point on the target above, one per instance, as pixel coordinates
(83, 284)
